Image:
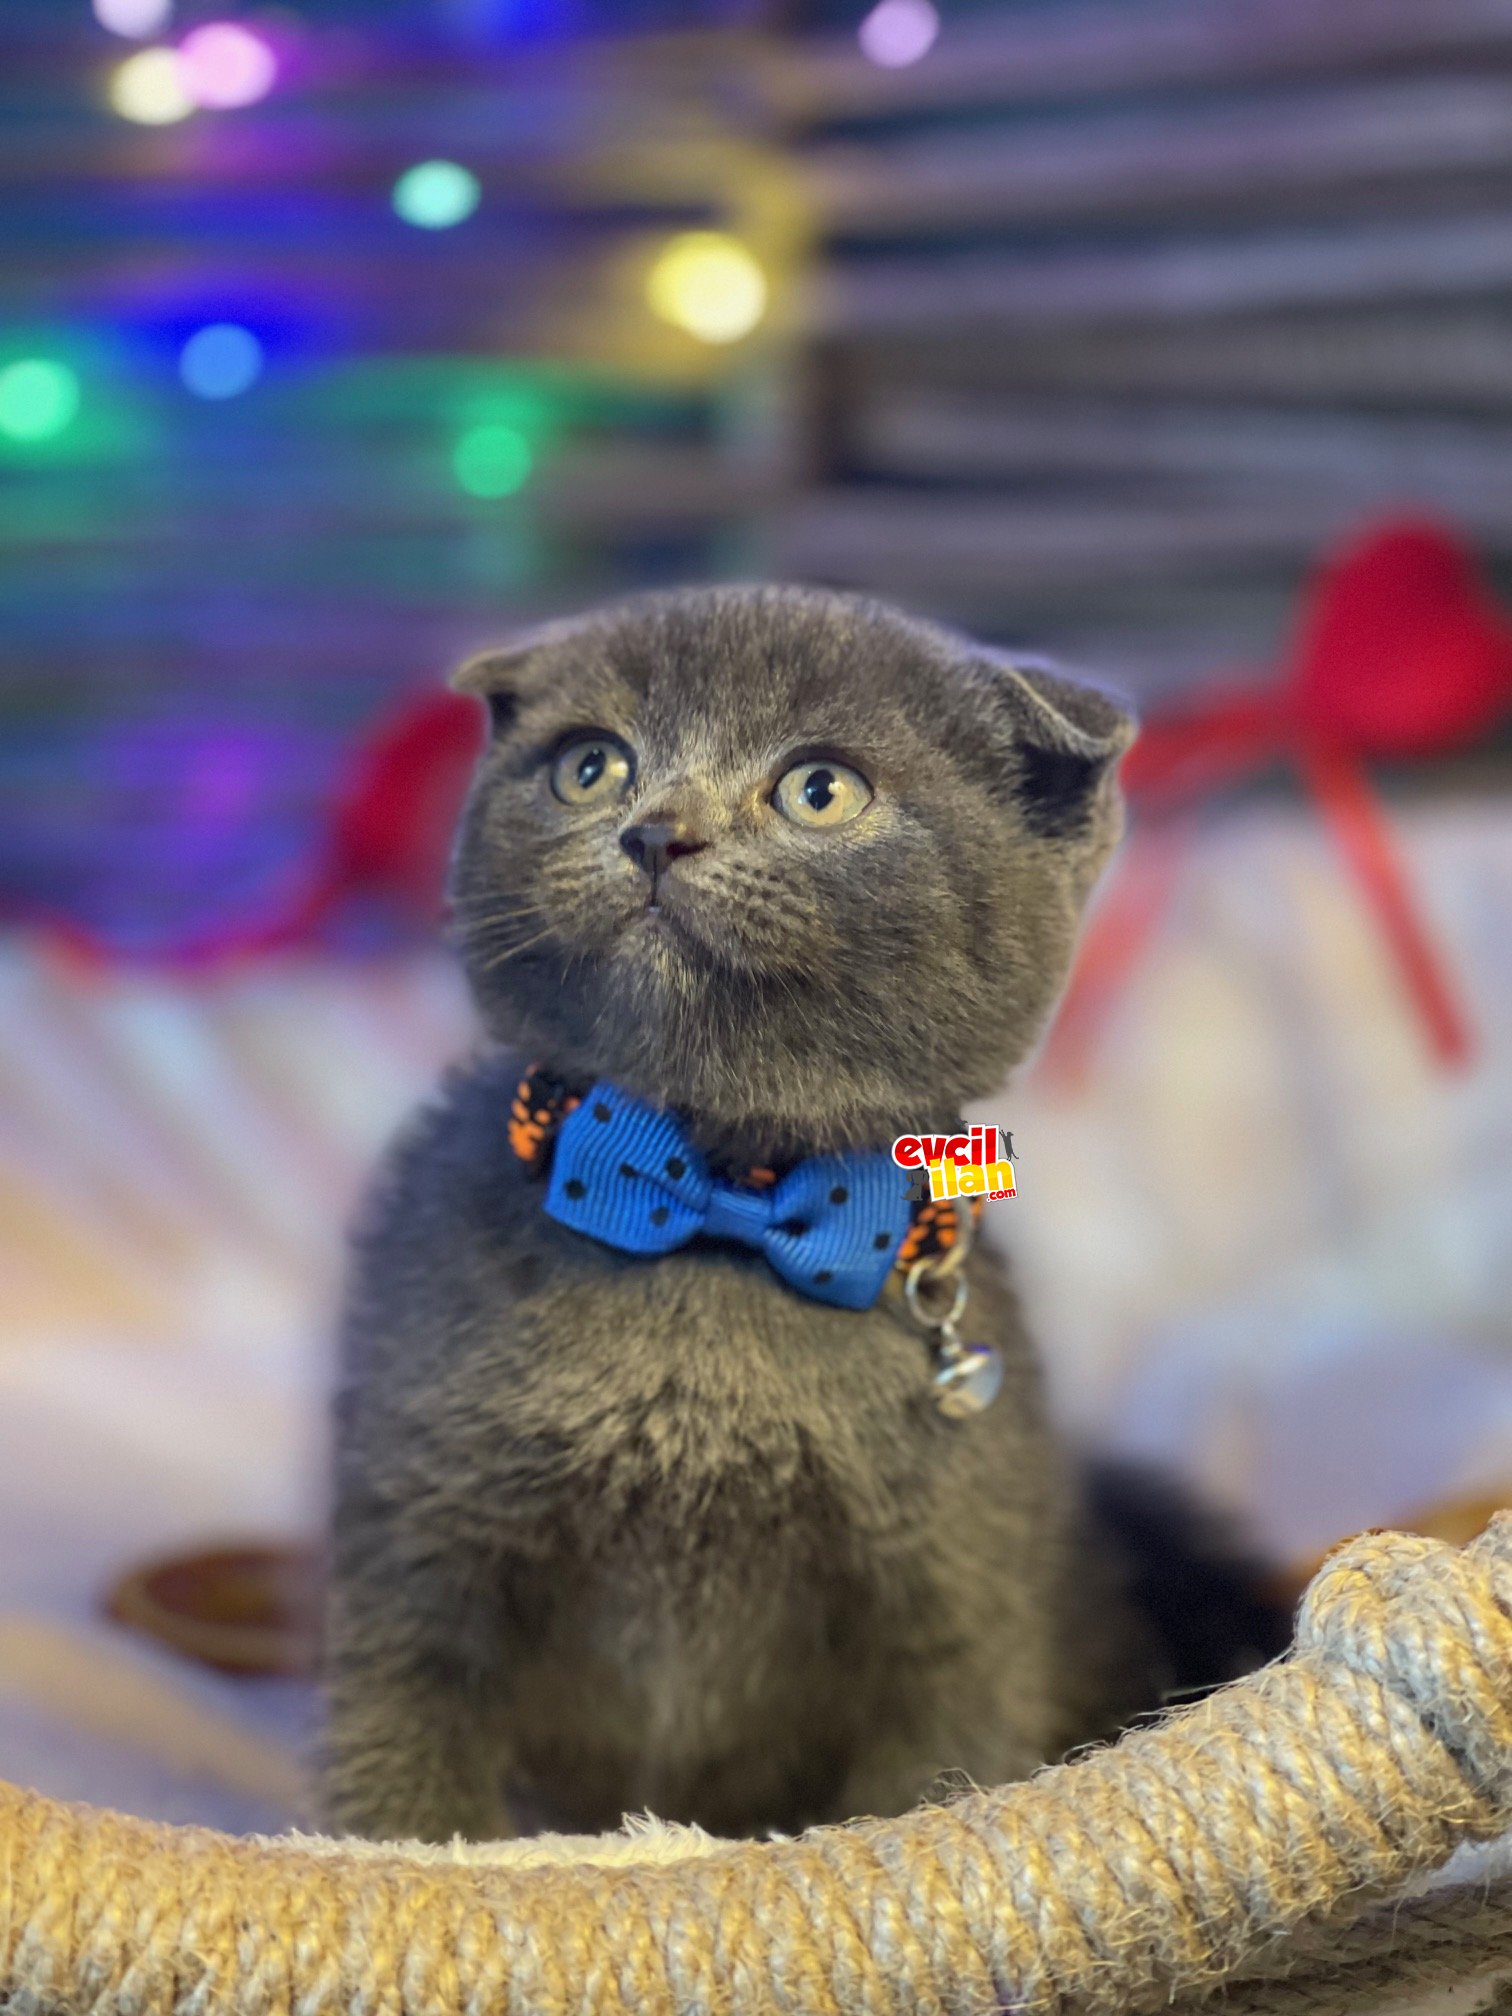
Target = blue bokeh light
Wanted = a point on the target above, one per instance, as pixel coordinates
(434, 195)
(220, 360)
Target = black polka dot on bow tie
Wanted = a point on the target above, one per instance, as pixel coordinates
(794, 1227)
(627, 1170)
(882, 1239)
(822, 1276)
(574, 1188)
(603, 1112)
(676, 1167)
(659, 1215)
(839, 1194)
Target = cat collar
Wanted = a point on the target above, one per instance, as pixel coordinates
(627, 1174)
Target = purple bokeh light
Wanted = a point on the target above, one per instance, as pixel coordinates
(898, 32)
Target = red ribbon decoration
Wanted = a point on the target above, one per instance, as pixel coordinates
(392, 830)
(1400, 652)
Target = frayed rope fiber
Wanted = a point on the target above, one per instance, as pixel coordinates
(1271, 1819)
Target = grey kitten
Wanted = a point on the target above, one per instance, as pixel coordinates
(616, 1533)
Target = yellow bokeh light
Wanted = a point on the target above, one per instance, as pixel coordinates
(709, 284)
(150, 88)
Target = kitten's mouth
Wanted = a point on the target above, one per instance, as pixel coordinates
(666, 920)
(656, 906)
(669, 917)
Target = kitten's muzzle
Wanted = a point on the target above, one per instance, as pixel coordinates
(654, 844)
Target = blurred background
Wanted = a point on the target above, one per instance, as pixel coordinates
(1169, 337)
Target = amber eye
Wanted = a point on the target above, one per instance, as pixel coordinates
(822, 793)
(595, 770)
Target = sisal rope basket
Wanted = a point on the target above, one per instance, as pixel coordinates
(1266, 1847)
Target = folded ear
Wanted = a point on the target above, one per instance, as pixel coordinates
(500, 673)
(1066, 740)
(493, 675)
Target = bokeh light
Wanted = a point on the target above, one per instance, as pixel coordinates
(220, 360)
(224, 64)
(436, 194)
(38, 398)
(149, 88)
(709, 284)
(492, 461)
(898, 32)
(134, 18)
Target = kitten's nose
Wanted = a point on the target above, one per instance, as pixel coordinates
(653, 843)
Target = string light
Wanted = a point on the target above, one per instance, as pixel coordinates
(492, 461)
(223, 64)
(221, 360)
(436, 194)
(135, 19)
(38, 398)
(898, 32)
(710, 285)
(149, 88)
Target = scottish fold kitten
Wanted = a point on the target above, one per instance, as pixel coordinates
(615, 1531)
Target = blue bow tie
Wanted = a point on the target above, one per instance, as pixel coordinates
(627, 1175)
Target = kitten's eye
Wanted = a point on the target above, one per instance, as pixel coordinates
(822, 794)
(592, 771)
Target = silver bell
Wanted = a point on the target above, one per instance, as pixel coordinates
(968, 1378)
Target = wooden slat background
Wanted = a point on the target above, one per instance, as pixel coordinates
(1123, 311)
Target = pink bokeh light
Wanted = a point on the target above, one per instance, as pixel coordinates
(898, 32)
(223, 65)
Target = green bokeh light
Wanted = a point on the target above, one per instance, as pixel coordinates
(38, 398)
(436, 194)
(492, 461)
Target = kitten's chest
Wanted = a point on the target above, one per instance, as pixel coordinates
(696, 1388)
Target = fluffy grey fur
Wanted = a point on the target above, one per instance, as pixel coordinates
(615, 1533)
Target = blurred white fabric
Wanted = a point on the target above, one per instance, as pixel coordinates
(177, 1161)
(1267, 1243)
